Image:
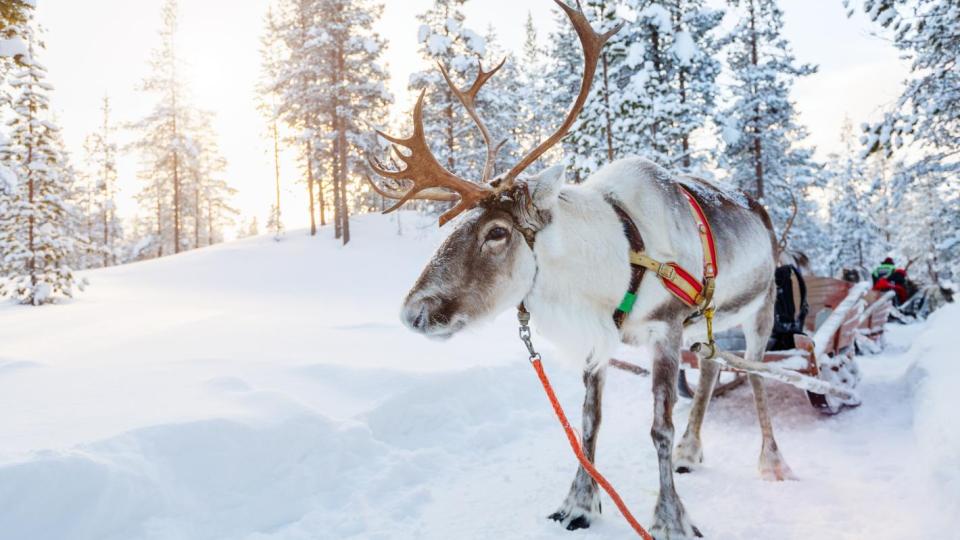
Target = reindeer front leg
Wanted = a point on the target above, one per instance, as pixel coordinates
(670, 518)
(583, 501)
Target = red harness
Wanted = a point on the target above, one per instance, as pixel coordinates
(676, 279)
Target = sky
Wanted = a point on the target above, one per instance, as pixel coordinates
(98, 47)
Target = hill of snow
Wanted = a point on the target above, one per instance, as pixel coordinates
(262, 390)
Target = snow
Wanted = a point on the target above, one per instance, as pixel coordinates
(438, 44)
(683, 47)
(12, 47)
(264, 390)
(660, 17)
(8, 179)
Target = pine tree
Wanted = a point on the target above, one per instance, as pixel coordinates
(763, 152)
(162, 140)
(563, 77)
(184, 196)
(103, 228)
(35, 238)
(15, 12)
(446, 40)
(925, 119)
(272, 55)
(300, 97)
(533, 95)
(666, 89)
(853, 232)
(594, 139)
(357, 97)
(501, 106)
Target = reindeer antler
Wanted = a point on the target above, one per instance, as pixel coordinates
(431, 181)
(429, 178)
(592, 44)
(468, 98)
(786, 230)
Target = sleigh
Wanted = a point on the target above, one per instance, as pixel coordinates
(843, 318)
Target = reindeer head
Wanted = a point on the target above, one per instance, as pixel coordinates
(487, 263)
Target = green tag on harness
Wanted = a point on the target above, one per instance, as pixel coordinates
(626, 305)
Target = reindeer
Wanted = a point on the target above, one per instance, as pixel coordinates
(562, 251)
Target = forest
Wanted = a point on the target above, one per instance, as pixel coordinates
(678, 85)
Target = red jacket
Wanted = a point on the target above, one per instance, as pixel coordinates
(884, 284)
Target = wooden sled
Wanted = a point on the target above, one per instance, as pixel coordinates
(822, 362)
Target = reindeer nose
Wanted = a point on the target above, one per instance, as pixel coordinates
(417, 319)
(416, 315)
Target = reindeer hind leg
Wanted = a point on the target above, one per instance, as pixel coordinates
(772, 465)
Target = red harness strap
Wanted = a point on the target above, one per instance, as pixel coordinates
(674, 277)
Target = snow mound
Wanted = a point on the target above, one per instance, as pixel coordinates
(266, 390)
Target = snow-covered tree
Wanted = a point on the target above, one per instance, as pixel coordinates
(666, 89)
(36, 244)
(162, 142)
(180, 161)
(594, 139)
(272, 53)
(763, 152)
(445, 39)
(563, 76)
(855, 238)
(102, 226)
(532, 100)
(356, 81)
(925, 119)
(299, 97)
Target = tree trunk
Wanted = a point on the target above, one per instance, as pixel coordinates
(342, 158)
(757, 145)
(157, 186)
(337, 216)
(196, 216)
(276, 176)
(313, 220)
(606, 109)
(32, 261)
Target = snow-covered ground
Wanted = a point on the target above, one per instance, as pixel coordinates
(263, 390)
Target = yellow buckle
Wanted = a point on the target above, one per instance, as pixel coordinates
(666, 272)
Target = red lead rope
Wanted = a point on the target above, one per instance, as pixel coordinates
(578, 450)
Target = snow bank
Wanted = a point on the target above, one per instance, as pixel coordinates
(936, 427)
(264, 390)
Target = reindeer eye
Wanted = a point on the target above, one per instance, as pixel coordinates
(497, 233)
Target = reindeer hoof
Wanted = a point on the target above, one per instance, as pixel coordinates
(688, 456)
(672, 523)
(572, 523)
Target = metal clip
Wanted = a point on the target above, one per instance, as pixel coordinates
(525, 335)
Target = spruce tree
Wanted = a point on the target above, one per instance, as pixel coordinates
(763, 152)
(103, 227)
(36, 244)
(271, 65)
(922, 128)
(446, 40)
(666, 89)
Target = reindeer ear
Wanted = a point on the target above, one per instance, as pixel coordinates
(545, 187)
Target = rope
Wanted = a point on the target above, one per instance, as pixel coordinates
(578, 450)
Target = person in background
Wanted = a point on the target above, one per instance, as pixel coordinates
(887, 277)
(884, 270)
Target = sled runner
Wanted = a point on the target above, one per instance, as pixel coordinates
(821, 362)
